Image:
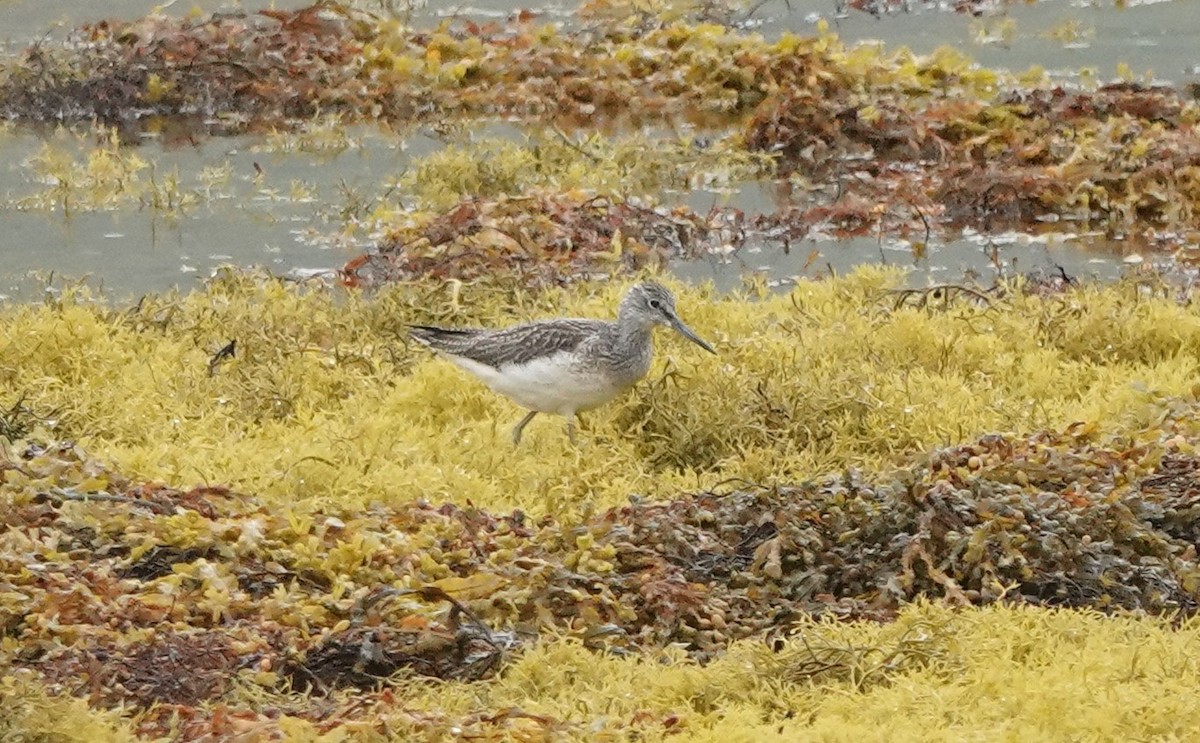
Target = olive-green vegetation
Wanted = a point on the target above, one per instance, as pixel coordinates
(935, 674)
(257, 511)
(603, 166)
(327, 406)
(71, 173)
(321, 453)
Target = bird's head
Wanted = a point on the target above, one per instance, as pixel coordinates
(650, 303)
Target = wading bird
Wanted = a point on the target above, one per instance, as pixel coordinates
(564, 365)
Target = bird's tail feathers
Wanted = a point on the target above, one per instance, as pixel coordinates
(433, 336)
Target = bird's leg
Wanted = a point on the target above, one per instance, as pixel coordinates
(571, 429)
(516, 434)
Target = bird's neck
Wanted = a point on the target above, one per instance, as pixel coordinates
(633, 347)
(632, 329)
(633, 335)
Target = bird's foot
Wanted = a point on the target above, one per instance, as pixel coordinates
(520, 427)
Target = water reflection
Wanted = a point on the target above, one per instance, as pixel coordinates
(968, 256)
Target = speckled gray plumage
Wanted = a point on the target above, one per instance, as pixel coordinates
(518, 344)
(627, 339)
(590, 361)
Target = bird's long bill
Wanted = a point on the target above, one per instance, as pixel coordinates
(686, 332)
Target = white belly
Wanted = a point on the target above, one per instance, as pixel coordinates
(548, 385)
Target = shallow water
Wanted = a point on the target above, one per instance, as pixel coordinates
(278, 220)
(970, 256)
(134, 250)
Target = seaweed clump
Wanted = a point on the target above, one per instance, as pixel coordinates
(537, 240)
(278, 67)
(1049, 520)
(329, 602)
(265, 66)
(1123, 155)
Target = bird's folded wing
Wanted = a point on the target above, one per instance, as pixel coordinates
(519, 344)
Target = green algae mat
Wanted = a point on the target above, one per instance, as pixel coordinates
(870, 515)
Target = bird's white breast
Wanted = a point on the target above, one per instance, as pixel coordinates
(551, 384)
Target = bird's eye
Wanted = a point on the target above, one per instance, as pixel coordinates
(654, 303)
